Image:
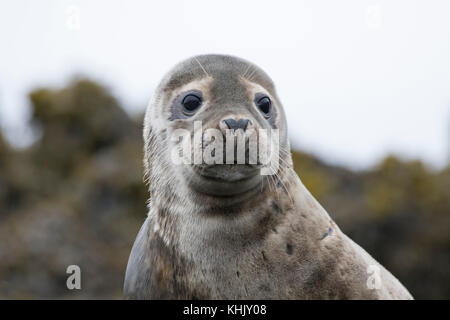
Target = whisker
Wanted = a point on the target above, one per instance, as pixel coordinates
(204, 70)
(250, 77)
(286, 189)
(246, 70)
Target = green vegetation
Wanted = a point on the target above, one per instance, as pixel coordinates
(76, 196)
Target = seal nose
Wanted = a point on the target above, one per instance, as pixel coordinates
(235, 125)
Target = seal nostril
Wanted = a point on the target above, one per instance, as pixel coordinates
(231, 123)
(240, 124)
(243, 123)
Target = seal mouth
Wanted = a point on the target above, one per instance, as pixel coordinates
(225, 179)
(227, 172)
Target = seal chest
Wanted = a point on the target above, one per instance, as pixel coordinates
(228, 216)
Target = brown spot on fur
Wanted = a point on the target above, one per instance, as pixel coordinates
(167, 277)
(264, 256)
(316, 278)
(288, 249)
(264, 287)
(331, 295)
(265, 224)
(276, 209)
(279, 184)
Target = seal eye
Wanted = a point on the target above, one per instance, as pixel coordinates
(264, 105)
(191, 103)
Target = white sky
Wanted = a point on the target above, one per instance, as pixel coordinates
(358, 79)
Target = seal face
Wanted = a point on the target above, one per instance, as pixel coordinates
(221, 93)
(224, 222)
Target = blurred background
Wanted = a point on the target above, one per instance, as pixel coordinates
(365, 85)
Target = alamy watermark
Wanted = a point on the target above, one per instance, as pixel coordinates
(374, 279)
(374, 17)
(214, 147)
(74, 280)
(73, 18)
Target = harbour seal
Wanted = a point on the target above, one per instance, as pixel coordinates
(226, 231)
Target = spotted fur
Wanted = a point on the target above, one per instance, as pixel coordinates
(273, 241)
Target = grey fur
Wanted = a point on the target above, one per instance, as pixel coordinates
(272, 241)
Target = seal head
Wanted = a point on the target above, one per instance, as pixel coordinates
(222, 93)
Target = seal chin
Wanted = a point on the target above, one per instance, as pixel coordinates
(224, 180)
